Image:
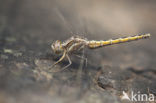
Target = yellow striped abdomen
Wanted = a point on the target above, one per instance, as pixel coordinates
(95, 44)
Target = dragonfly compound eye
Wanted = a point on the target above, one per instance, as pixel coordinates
(57, 47)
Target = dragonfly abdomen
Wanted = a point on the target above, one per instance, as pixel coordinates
(95, 44)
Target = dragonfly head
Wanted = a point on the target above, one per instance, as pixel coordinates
(57, 47)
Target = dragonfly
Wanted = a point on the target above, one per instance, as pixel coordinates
(77, 43)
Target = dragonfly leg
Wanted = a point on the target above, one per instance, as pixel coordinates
(70, 62)
(66, 65)
(63, 56)
(85, 59)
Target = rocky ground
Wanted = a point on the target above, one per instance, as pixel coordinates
(27, 29)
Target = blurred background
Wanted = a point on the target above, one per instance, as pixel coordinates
(28, 27)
